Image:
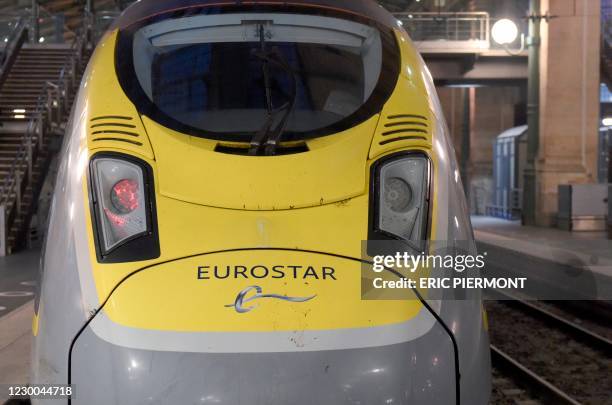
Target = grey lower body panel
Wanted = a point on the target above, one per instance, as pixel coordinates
(416, 372)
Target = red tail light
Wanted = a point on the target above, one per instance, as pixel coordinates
(125, 196)
(123, 208)
(121, 201)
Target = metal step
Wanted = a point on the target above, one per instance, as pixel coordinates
(16, 76)
(44, 51)
(34, 70)
(54, 61)
(15, 92)
(51, 68)
(42, 63)
(8, 105)
(7, 140)
(7, 101)
(24, 83)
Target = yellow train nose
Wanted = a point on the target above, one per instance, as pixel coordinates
(252, 290)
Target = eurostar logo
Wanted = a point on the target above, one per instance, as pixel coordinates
(242, 298)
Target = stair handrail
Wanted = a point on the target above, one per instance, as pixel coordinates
(13, 44)
(50, 100)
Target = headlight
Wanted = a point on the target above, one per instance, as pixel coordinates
(123, 209)
(400, 195)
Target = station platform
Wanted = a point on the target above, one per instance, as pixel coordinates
(565, 265)
(17, 289)
(18, 273)
(15, 343)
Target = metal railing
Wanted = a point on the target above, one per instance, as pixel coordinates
(51, 27)
(450, 29)
(100, 21)
(123, 4)
(51, 107)
(15, 33)
(40, 23)
(8, 23)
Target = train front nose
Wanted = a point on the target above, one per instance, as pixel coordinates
(259, 326)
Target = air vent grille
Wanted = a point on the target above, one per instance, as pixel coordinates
(113, 124)
(117, 140)
(402, 130)
(403, 127)
(111, 117)
(118, 131)
(244, 149)
(115, 128)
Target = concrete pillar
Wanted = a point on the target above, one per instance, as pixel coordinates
(569, 100)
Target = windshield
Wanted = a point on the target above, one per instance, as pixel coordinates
(227, 76)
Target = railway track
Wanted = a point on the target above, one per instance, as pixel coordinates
(553, 359)
(540, 391)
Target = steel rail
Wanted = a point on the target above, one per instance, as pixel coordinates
(523, 376)
(580, 333)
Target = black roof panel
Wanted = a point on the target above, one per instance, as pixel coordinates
(144, 9)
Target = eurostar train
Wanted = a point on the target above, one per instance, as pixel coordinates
(223, 165)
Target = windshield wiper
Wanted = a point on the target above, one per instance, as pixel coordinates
(272, 130)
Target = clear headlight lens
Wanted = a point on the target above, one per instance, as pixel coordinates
(402, 206)
(120, 198)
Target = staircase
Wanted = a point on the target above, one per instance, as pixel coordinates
(38, 84)
(33, 113)
(9, 147)
(35, 65)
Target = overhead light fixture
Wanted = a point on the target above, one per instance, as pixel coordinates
(504, 31)
(19, 110)
(607, 122)
(19, 116)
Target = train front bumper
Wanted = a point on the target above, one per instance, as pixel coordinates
(173, 333)
(414, 372)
